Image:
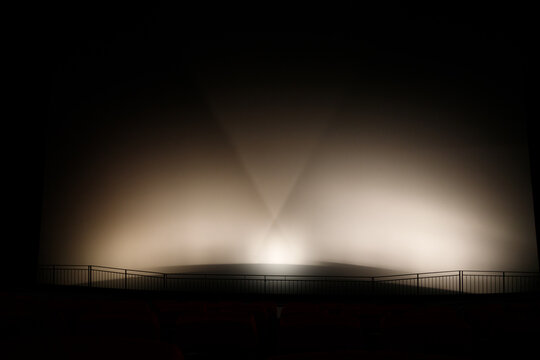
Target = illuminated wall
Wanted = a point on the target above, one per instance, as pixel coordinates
(297, 164)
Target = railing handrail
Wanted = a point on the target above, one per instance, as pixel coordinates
(452, 272)
(448, 282)
(502, 271)
(84, 267)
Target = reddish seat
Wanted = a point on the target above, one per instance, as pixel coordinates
(217, 332)
(132, 319)
(513, 326)
(215, 327)
(439, 329)
(169, 311)
(26, 315)
(264, 314)
(319, 327)
(365, 355)
(89, 348)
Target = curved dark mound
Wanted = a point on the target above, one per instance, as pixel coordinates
(321, 269)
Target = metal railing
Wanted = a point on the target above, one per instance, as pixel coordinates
(430, 283)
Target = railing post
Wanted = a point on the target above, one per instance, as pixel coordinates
(89, 275)
(164, 281)
(503, 284)
(54, 274)
(373, 285)
(460, 275)
(125, 278)
(417, 284)
(264, 284)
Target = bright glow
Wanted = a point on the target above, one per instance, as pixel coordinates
(278, 248)
(323, 183)
(277, 252)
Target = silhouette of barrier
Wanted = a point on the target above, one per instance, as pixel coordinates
(430, 283)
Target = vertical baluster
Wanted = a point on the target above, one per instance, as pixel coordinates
(89, 275)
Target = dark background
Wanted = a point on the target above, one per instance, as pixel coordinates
(89, 56)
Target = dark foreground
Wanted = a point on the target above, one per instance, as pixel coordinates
(85, 323)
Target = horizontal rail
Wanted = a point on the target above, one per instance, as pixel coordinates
(493, 272)
(438, 282)
(102, 267)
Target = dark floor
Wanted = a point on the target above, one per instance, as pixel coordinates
(63, 323)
